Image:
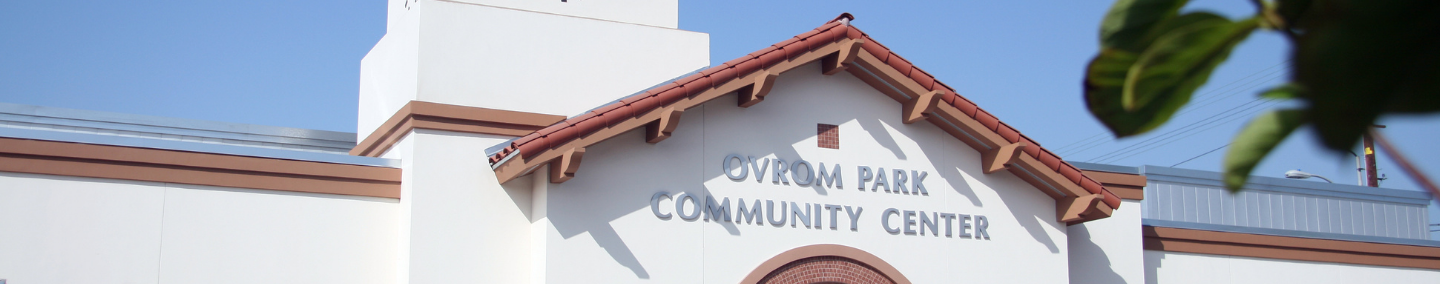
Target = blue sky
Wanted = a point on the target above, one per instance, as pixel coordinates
(296, 64)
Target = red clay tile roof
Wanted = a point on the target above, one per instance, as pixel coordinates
(835, 30)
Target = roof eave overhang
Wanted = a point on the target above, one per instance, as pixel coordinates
(839, 47)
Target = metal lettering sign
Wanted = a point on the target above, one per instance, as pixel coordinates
(778, 213)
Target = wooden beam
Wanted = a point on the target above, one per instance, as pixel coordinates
(563, 168)
(755, 93)
(660, 129)
(1075, 210)
(921, 107)
(840, 60)
(1000, 158)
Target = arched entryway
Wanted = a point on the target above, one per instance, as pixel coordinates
(826, 263)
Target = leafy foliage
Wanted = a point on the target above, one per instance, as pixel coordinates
(1352, 62)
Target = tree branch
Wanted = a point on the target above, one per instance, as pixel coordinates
(1410, 169)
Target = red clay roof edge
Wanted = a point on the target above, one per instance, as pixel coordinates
(834, 30)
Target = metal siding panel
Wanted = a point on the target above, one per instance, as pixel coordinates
(1367, 219)
(1227, 209)
(1322, 215)
(1407, 230)
(1392, 221)
(1206, 204)
(1314, 213)
(1401, 221)
(1346, 217)
(1288, 212)
(1217, 205)
(1307, 209)
(1191, 214)
(1420, 219)
(1162, 204)
(1151, 196)
(1252, 205)
(1177, 204)
(1202, 205)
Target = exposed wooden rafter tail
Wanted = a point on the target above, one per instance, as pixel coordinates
(921, 107)
(755, 93)
(660, 129)
(1001, 157)
(842, 59)
(564, 167)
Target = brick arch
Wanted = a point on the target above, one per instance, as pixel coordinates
(825, 263)
(825, 269)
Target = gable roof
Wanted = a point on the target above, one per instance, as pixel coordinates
(840, 47)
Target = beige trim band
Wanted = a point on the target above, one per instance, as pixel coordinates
(1290, 248)
(1126, 186)
(141, 164)
(428, 115)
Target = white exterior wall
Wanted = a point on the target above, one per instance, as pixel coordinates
(1182, 268)
(513, 59)
(62, 229)
(603, 227)
(458, 225)
(1109, 250)
(659, 13)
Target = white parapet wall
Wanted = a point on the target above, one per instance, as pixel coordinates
(457, 224)
(544, 58)
(60, 229)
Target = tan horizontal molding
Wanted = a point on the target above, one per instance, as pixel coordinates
(1290, 248)
(436, 116)
(156, 165)
(1126, 186)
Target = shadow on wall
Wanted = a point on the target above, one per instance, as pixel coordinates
(1098, 269)
(955, 169)
(878, 131)
(614, 192)
(1153, 261)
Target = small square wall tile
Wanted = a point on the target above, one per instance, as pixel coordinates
(828, 135)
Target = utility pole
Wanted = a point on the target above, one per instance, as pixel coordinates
(1372, 178)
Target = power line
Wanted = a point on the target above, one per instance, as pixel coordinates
(1247, 85)
(1213, 100)
(1173, 132)
(1201, 155)
(1083, 142)
(1193, 133)
(1182, 128)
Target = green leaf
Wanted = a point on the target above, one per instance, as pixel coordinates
(1361, 60)
(1283, 92)
(1104, 80)
(1108, 72)
(1255, 142)
(1182, 59)
(1293, 12)
(1129, 21)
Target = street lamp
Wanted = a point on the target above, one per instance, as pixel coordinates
(1297, 174)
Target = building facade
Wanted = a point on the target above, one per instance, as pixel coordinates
(554, 142)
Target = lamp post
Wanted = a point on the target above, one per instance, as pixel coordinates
(1297, 174)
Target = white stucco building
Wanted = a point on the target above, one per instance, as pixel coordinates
(492, 148)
